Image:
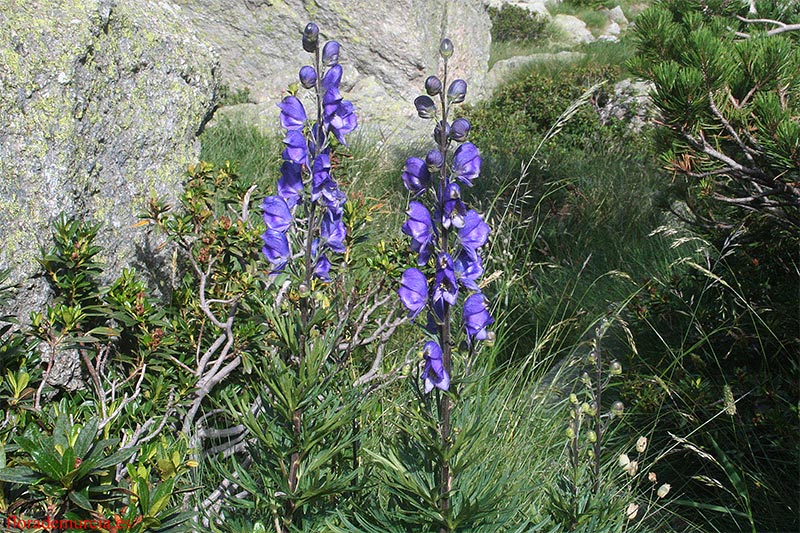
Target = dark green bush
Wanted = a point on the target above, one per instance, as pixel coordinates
(514, 23)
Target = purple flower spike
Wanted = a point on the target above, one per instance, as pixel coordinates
(419, 227)
(333, 231)
(467, 163)
(474, 234)
(416, 176)
(276, 213)
(330, 53)
(434, 160)
(476, 317)
(434, 373)
(276, 249)
(308, 77)
(413, 291)
(454, 209)
(468, 270)
(320, 175)
(296, 148)
(293, 115)
(445, 286)
(290, 184)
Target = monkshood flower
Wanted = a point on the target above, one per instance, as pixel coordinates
(476, 317)
(434, 374)
(306, 183)
(457, 91)
(433, 85)
(445, 286)
(459, 129)
(468, 270)
(454, 210)
(419, 227)
(474, 233)
(293, 114)
(426, 108)
(413, 291)
(467, 163)
(416, 176)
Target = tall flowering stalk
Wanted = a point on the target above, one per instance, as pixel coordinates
(447, 237)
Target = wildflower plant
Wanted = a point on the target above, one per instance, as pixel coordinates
(447, 236)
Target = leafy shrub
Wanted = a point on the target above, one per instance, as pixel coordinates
(514, 23)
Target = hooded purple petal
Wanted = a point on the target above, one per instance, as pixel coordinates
(322, 268)
(276, 213)
(468, 270)
(296, 147)
(290, 184)
(434, 373)
(332, 78)
(474, 234)
(416, 176)
(276, 249)
(467, 163)
(420, 228)
(293, 115)
(445, 286)
(454, 209)
(333, 231)
(476, 316)
(413, 291)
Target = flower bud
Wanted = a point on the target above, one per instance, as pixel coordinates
(592, 437)
(624, 460)
(303, 290)
(632, 468)
(446, 48)
(457, 91)
(652, 477)
(617, 408)
(459, 130)
(490, 338)
(573, 398)
(330, 53)
(434, 160)
(641, 444)
(616, 368)
(426, 108)
(631, 511)
(437, 132)
(433, 85)
(663, 490)
(308, 77)
(570, 433)
(310, 37)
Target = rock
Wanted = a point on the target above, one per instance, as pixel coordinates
(574, 30)
(612, 29)
(504, 69)
(100, 107)
(616, 15)
(537, 7)
(389, 46)
(630, 102)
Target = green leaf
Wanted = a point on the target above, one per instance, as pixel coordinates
(81, 500)
(48, 464)
(19, 474)
(84, 441)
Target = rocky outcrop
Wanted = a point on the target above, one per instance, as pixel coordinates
(388, 48)
(630, 102)
(100, 106)
(573, 29)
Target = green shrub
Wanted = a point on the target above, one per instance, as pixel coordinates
(514, 23)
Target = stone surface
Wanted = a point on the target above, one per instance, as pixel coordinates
(504, 69)
(387, 47)
(574, 30)
(100, 106)
(616, 15)
(539, 7)
(630, 102)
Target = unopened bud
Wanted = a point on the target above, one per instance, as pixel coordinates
(446, 48)
(433, 85)
(616, 368)
(330, 53)
(308, 77)
(434, 160)
(663, 490)
(641, 444)
(426, 108)
(459, 130)
(303, 290)
(310, 37)
(457, 91)
(617, 408)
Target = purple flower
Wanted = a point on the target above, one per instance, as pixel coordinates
(437, 132)
(343, 121)
(420, 228)
(457, 91)
(333, 231)
(476, 317)
(454, 209)
(308, 77)
(290, 184)
(310, 37)
(276, 249)
(276, 213)
(433, 85)
(296, 147)
(445, 286)
(293, 115)
(332, 78)
(434, 373)
(434, 160)
(413, 291)
(320, 175)
(459, 129)
(468, 270)
(467, 163)
(474, 234)
(416, 175)
(426, 108)
(330, 53)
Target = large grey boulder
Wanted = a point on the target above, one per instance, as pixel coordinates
(573, 29)
(388, 48)
(100, 106)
